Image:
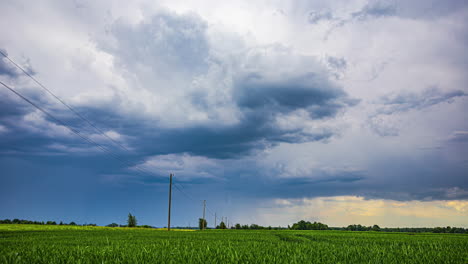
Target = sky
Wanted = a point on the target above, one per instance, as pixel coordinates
(343, 112)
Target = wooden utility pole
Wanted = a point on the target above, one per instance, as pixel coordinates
(203, 223)
(215, 221)
(170, 198)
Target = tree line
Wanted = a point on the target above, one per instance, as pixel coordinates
(202, 223)
(447, 229)
(29, 222)
(301, 225)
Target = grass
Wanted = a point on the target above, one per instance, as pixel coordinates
(73, 244)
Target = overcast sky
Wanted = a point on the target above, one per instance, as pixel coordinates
(344, 112)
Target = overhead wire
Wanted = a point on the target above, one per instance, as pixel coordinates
(77, 114)
(64, 103)
(189, 196)
(75, 131)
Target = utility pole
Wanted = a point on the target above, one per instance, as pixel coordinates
(203, 223)
(215, 221)
(170, 198)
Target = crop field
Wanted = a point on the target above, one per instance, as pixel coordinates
(74, 244)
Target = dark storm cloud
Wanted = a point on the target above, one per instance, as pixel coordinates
(429, 9)
(260, 100)
(404, 102)
(9, 107)
(177, 46)
(31, 132)
(391, 105)
(226, 142)
(393, 178)
(6, 68)
(167, 44)
(315, 17)
(9, 69)
(309, 91)
(255, 183)
(371, 10)
(374, 10)
(255, 131)
(418, 9)
(459, 136)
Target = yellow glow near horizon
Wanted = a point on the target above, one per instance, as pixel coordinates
(346, 210)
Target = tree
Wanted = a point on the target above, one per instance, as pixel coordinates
(303, 225)
(254, 226)
(131, 221)
(202, 223)
(375, 228)
(222, 225)
(238, 226)
(113, 225)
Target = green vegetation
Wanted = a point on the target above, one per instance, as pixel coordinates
(303, 225)
(202, 224)
(77, 244)
(222, 225)
(131, 221)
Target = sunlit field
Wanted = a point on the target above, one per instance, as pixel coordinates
(74, 244)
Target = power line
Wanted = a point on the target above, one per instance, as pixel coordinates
(73, 130)
(80, 116)
(76, 132)
(63, 102)
(184, 193)
(190, 196)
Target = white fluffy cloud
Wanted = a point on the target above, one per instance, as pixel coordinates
(3, 129)
(183, 166)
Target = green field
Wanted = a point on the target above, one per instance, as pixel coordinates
(70, 244)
